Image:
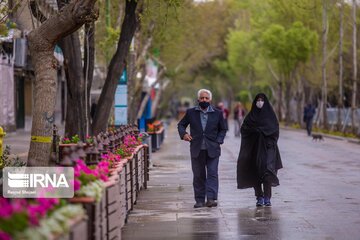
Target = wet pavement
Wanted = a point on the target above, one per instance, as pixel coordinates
(319, 195)
(19, 143)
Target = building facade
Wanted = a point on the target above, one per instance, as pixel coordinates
(17, 74)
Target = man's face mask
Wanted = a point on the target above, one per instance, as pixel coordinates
(204, 101)
(260, 103)
(204, 104)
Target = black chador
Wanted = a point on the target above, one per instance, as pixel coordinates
(259, 157)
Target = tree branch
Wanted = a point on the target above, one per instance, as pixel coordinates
(36, 12)
(116, 67)
(42, 41)
(273, 72)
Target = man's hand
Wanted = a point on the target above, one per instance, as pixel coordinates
(187, 137)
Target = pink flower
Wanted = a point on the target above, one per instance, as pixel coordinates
(19, 205)
(76, 172)
(33, 215)
(104, 178)
(81, 167)
(4, 236)
(48, 202)
(6, 209)
(77, 185)
(54, 201)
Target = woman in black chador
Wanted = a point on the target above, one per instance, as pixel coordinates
(259, 157)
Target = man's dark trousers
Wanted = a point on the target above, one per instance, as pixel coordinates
(309, 122)
(205, 182)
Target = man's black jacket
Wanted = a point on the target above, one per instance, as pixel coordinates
(214, 133)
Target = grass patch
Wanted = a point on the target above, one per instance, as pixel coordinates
(347, 133)
(335, 133)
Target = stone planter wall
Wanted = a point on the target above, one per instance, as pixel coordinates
(106, 217)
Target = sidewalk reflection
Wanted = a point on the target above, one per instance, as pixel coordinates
(262, 222)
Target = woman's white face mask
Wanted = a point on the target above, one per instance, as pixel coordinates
(260, 104)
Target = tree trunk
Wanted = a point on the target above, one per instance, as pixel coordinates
(341, 96)
(300, 99)
(146, 97)
(137, 90)
(116, 68)
(76, 120)
(280, 90)
(132, 84)
(41, 45)
(89, 64)
(279, 95)
(136, 86)
(79, 79)
(45, 87)
(323, 66)
(302, 104)
(288, 99)
(354, 88)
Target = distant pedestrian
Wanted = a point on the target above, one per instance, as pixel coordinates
(309, 113)
(239, 114)
(225, 112)
(259, 158)
(207, 132)
(181, 111)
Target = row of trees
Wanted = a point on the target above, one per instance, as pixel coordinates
(294, 51)
(74, 29)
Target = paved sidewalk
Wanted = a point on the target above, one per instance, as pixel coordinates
(310, 203)
(19, 143)
(165, 210)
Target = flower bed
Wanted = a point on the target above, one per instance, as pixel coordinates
(37, 218)
(104, 192)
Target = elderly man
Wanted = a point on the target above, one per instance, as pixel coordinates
(207, 132)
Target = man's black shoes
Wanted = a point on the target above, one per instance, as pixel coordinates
(199, 205)
(211, 203)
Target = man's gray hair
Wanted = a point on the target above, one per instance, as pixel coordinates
(206, 91)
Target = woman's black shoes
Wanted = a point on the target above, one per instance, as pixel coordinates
(267, 202)
(263, 201)
(260, 202)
